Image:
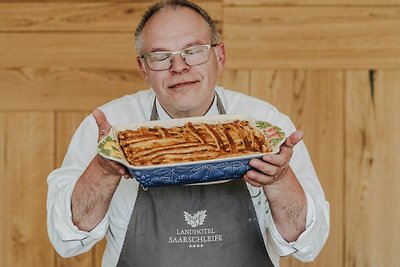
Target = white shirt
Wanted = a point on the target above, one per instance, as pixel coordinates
(69, 241)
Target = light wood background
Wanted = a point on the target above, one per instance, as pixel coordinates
(332, 65)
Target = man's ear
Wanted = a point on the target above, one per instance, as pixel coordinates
(142, 66)
(220, 51)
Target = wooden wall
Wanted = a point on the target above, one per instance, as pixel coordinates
(332, 65)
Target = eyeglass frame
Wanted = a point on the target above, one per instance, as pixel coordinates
(179, 52)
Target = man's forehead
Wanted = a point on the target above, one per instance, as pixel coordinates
(175, 28)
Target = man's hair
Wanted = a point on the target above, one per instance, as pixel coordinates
(152, 10)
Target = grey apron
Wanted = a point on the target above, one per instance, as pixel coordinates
(212, 225)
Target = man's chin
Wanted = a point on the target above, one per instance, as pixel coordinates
(184, 111)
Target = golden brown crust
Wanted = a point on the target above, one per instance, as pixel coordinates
(191, 142)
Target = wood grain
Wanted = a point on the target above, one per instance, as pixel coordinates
(313, 2)
(29, 158)
(237, 80)
(59, 88)
(66, 124)
(72, 50)
(98, 252)
(314, 101)
(5, 199)
(372, 168)
(331, 65)
(201, 2)
(88, 17)
(312, 37)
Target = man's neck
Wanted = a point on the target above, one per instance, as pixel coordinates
(186, 114)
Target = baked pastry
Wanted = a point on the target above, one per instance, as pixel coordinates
(191, 142)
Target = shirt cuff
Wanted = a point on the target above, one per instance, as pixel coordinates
(287, 248)
(66, 228)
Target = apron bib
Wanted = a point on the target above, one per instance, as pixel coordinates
(212, 225)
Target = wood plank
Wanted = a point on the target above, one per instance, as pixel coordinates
(5, 200)
(58, 88)
(50, 73)
(237, 80)
(72, 50)
(84, 260)
(201, 2)
(314, 101)
(278, 87)
(29, 159)
(98, 252)
(372, 168)
(82, 17)
(312, 2)
(312, 37)
(66, 124)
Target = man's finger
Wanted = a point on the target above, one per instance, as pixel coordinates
(101, 121)
(293, 139)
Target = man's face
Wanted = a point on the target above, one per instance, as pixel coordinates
(183, 90)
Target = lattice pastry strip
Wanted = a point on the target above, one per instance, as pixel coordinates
(191, 142)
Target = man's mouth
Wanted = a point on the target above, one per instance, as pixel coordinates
(182, 84)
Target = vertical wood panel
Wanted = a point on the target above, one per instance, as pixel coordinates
(314, 101)
(372, 168)
(66, 124)
(30, 157)
(238, 80)
(99, 251)
(5, 200)
(324, 136)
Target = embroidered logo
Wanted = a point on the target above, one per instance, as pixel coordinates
(195, 220)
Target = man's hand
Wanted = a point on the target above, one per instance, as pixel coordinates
(109, 167)
(273, 167)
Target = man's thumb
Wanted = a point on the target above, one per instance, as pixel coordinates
(293, 139)
(101, 121)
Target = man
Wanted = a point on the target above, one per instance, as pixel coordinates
(277, 209)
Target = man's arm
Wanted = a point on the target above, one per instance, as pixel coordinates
(92, 194)
(80, 163)
(285, 194)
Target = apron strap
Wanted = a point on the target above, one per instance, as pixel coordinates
(220, 106)
(154, 113)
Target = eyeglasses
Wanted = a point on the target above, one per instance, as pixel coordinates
(194, 55)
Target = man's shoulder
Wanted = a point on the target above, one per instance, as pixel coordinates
(129, 108)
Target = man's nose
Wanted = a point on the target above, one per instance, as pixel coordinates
(178, 64)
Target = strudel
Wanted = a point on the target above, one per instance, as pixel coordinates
(191, 142)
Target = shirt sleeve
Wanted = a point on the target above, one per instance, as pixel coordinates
(312, 240)
(66, 238)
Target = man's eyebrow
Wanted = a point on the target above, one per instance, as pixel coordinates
(158, 49)
(161, 49)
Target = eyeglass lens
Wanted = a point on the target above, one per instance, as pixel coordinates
(192, 56)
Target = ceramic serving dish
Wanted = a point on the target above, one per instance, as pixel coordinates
(204, 171)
